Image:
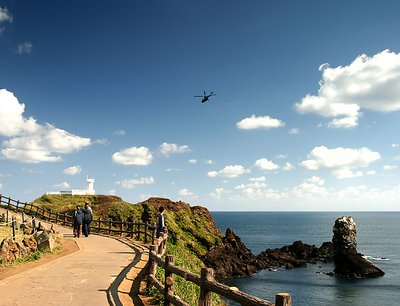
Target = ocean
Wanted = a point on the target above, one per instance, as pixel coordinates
(377, 238)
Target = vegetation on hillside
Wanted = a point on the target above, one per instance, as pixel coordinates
(192, 232)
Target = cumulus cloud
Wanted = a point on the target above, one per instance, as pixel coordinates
(62, 186)
(265, 164)
(30, 142)
(193, 161)
(231, 171)
(218, 193)
(342, 161)
(134, 156)
(73, 170)
(5, 15)
(311, 187)
(170, 148)
(389, 167)
(294, 131)
(120, 133)
(24, 48)
(262, 122)
(185, 193)
(131, 183)
(369, 83)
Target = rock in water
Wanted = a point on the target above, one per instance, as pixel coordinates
(232, 258)
(348, 262)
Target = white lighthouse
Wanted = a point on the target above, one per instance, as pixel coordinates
(88, 191)
(90, 185)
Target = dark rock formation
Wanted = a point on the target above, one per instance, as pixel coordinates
(297, 254)
(232, 258)
(348, 262)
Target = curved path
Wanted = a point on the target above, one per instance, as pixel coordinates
(102, 272)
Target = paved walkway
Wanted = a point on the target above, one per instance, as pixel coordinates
(100, 273)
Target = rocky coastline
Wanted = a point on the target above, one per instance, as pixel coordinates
(233, 259)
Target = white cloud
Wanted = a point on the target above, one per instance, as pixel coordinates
(287, 167)
(340, 160)
(62, 186)
(185, 193)
(134, 156)
(371, 172)
(193, 161)
(32, 142)
(120, 133)
(218, 193)
(345, 173)
(395, 145)
(257, 179)
(229, 172)
(5, 15)
(72, 170)
(310, 188)
(389, 167)
(131, 183)
(265, 122)
(294, 131)
(209, 162)
(369, 83)
(171, 148)
(24, 48)
(265, 164)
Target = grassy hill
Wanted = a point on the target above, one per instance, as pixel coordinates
(192, 232)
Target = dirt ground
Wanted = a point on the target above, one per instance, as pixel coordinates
(69, 247)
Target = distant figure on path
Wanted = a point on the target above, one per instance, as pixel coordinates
(160, 222)
(78, 220)
(87, 219)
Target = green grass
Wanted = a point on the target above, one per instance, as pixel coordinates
(186, 290)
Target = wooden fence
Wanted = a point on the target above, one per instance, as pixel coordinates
(205, 281)
(137, 230)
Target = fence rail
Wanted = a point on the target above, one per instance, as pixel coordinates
(205, 281)
(137, 230)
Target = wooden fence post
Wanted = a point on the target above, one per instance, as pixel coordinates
(33, 225)
(283, 299)
(17, 204)
(145, 232)
(121, 228)
(131, 227)
(99, 224)
(169, 279)
(14, 224)
(205, 299)
(109, 226)
(152, 266)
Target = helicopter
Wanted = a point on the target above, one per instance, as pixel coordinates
(205, 97)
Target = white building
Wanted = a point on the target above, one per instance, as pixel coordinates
(88, 191)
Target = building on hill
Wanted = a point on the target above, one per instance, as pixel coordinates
(88, 191)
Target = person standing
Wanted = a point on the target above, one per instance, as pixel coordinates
(160, 221)
(77, 222)
(87, 219)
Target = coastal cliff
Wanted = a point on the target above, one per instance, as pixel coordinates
(196, 241)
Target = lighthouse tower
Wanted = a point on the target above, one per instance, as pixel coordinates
(90, 185)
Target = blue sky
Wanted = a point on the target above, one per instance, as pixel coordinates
(305, 117)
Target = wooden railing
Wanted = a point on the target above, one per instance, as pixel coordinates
(205, 281)
(137, 230)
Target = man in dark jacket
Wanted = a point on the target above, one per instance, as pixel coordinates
(87, 219)
(78, 220)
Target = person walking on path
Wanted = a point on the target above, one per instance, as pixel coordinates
(78, 220)
(160, 221)
(87, 219)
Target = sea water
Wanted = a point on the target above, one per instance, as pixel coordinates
(377, 238)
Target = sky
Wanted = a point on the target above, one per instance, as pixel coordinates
(305, 116)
